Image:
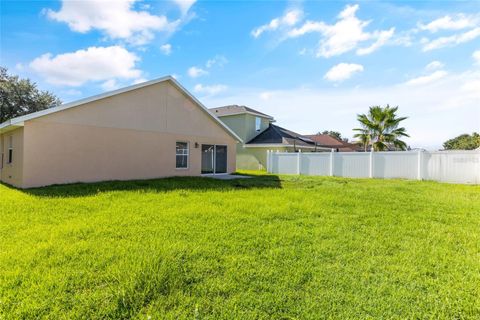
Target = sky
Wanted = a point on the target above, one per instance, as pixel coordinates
(313, 66)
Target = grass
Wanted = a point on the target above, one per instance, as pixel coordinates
(262, 248)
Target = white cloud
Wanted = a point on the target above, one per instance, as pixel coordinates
(266, 95)
(382, 39)
(117, 19)
(343, 71)
(92, 64)
(110, 85)
(290, 18)
(184, 5)
(472, 87)
(461, 21)
(139, 80)
(210, 90)
(345, 35)
(195, 72)
(423, 80)
(476, 57)
(71, 92)
(447, 109)
(218, 60)
(166, 49)
(434, 65)
(451, 40)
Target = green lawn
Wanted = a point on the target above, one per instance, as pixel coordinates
(263, 248)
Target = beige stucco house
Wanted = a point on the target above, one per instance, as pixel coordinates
(258, 134)
(149, 130)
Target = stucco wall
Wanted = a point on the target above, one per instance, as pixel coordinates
(253, 158)
(237, 124)
(12, 173)
(250, 126)
(256, 158)
(128, 136)
(244, 125)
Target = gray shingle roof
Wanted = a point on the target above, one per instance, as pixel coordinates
(278, 135)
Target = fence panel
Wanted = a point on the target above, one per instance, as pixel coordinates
(453, 166)
(351, 164)
(315, 164)
(445, 166)
(400, 164)
(285, 163)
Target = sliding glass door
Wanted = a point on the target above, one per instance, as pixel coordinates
(214, 159)
(220, 159)
(207, 158)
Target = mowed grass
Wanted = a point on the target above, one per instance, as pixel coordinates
(268, 247)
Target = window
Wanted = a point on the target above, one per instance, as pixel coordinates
(182, 155)
(10, 149)
(258, 123)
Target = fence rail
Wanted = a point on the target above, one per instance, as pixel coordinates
(446, 166)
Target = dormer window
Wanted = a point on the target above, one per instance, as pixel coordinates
(258, 123)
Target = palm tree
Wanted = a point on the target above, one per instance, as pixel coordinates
(380, 129)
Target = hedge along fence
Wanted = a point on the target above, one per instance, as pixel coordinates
(445, 166)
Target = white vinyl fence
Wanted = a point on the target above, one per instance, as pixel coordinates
(446, 166)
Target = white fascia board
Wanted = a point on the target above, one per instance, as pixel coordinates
(273, 145)
(19, 120)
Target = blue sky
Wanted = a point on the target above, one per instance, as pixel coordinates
(311, 65)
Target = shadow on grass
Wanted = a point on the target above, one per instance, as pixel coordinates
(156, 185)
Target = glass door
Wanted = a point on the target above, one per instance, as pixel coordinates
(214, 159)
(220, 159)
(207, 158)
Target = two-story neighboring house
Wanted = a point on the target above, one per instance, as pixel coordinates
(259, 134)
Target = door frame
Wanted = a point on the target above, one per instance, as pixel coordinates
(214, 160)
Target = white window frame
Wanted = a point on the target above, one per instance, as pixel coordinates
(258, 124)
(182, 154)
(10, 150)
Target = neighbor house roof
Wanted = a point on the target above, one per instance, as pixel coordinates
(328, 141)
(19, 121)
(236, 109)
(278, 136)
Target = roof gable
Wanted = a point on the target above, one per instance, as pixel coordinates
(18, 121)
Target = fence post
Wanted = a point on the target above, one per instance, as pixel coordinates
(331, 161)
(299, 161)
(419, 164)
(268, 161)
(370, 169)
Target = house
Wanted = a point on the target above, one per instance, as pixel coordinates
(148, 130)
(338, 145)
(260, 134)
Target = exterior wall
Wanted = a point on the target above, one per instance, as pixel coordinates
(12, 173)
(256, 158)
(250, 127)
(127, 136)
(253, 158)
(237, 124)
(244, 125)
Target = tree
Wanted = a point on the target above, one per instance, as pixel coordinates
(380, 129)
(19, 97)
(334, 134)
(463, 142)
